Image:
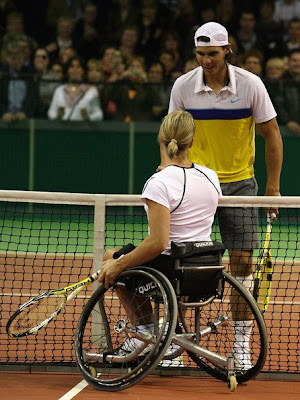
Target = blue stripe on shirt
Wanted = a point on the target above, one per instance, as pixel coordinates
(206, 114)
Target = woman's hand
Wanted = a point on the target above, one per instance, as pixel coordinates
(110, 270)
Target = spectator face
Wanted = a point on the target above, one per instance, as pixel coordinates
(253, 64)
(41, 60)
(95, 76)
(294, 31)
(247, 22)
(90, 14)
(274, 70)
(14, 24)
(108, 56)
(57, 71)
(155, 74)
(171, 43)
(168, 61)
(294, 63)
(129, 38)
(64, 28)
(15, 61)
(266, 10)
(75, 71)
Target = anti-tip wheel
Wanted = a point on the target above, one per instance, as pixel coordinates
(232, 383)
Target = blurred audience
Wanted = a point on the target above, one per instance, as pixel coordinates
(18, 89)
(75, 100)
(86, 37)
(254, 61)
(47, 83)
(133, 99)
(111, 39)
(63, 38)
(287, 100)
(285, 10)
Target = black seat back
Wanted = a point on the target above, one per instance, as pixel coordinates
(198, 268)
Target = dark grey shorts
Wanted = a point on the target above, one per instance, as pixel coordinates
(239, 226)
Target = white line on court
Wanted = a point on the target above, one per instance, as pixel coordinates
(73, 392)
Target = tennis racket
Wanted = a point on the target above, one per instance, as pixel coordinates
(40, 310)
(264, 271)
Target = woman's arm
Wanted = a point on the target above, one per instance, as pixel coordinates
(149, 248)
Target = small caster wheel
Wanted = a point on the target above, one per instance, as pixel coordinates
(93, 372)
(232, 383)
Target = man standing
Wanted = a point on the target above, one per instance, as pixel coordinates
(226, 103)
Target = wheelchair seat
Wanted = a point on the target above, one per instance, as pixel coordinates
(199, 268)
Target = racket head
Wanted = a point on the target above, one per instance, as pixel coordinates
(35, 314)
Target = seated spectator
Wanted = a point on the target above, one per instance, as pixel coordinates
(107, 60)
(57, 72)
(75, 101)
(58, 8)
(133, 99)
(254, 61)
(95, 73)
(269, 30)
(171, 42)
(226, 15)
(183, 18)
(150, 26)
(129, 43)
(47, 81)
(287, 101)
(124, 13)
(63, 38)
(285, 10)
(18, 90)
(246, 36)
(6, 8)
(274, 71)
(293, 41)
(86, 37)
(168, 59)
(156, 78)
(118, 66)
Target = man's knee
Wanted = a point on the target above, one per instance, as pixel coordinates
(240, 262)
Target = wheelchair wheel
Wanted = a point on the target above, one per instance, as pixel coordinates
(221, 340)
(106, 327)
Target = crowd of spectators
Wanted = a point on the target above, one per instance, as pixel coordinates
(118, 59)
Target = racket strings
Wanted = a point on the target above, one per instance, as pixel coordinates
(37, 313)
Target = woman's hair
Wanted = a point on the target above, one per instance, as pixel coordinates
(176, 132)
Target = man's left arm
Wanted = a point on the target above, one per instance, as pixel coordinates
(273, 155)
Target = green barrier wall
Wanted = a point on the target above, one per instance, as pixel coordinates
(106, 157)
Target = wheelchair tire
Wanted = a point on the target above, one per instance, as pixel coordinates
(102, 329)
(222, 340)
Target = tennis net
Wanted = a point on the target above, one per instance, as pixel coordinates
(50, 240)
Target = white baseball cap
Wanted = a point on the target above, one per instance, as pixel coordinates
(211, 34)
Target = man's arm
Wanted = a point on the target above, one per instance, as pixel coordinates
(273, 155)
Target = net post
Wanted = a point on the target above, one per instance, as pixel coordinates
(99, 243)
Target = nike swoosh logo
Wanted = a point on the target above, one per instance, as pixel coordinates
(234, 100)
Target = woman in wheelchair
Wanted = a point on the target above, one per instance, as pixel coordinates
(127, 327)
(180, 201)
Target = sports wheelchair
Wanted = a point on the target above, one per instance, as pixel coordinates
(191, 309)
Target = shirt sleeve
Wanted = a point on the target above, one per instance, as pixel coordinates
(262, 107)
(155, 190)
(176, 102)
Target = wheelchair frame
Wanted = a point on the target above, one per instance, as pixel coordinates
(104, 326)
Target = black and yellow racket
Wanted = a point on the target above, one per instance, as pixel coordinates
(37, 312)
(264, 271)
